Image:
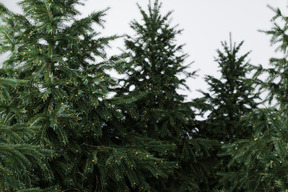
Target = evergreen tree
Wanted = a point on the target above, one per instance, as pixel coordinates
(63, 61)
(17, 154)
(230, 97)
(263, 159)
(277, 80)
(155, 70)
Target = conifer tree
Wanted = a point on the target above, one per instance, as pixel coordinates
(229, 99)
(263, 159)
(276, 83)
(63, 61)
(155, 71)
(17, 154)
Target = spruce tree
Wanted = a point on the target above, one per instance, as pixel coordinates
(230, 97)
(63, 61)
(155, 70)
(276, 83)
(263, 158)
(17, 154)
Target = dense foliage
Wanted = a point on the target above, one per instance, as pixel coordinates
(156, 67)
(230, 98)
(262, 159)
(65, 94)
(67, 125)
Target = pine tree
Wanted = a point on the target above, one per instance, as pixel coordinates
(230, 97)
(63, 61)
(263, 158)
(154, 71)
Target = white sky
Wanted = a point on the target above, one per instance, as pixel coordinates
(205, 22)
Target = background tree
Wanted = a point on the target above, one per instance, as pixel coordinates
(155, 71)
(63, 61)
(230, 97)
(263, 158)
(276, 83)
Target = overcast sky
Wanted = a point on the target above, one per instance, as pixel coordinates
(205, 22)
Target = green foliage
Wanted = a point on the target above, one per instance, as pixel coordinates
(18, 158)
(263, 159)
(276, 83)
(59, 130)
(17, 154)
(62, 61)
(230, 97)
(155, 70)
